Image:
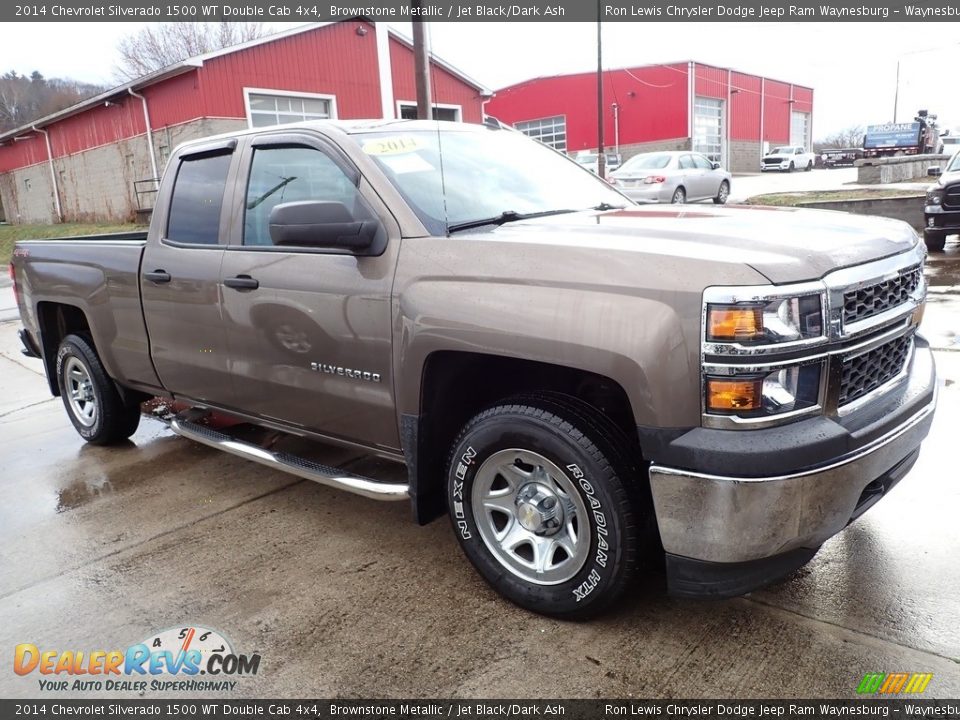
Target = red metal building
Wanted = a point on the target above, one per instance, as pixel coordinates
(728, 115)
(97, 160)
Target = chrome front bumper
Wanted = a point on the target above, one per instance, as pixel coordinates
(722, 519)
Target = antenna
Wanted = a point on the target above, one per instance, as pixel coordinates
(443, 176)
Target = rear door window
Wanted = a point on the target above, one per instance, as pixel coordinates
(197, 199)
(702, 163)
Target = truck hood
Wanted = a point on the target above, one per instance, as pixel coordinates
(948, 178)
(777, 157)
(783, 244)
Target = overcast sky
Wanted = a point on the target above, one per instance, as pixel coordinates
(851, 66)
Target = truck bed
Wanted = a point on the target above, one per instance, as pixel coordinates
(98, 275)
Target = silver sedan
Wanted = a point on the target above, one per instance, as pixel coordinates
(672, 177)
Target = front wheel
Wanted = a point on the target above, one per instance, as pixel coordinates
(723, 193)
(809, 166)
(792, 167)
(541, 511)
(679, 196)
(92, 401)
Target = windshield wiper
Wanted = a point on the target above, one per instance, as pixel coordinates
(276, 188)
(607, 206)
(504, 217)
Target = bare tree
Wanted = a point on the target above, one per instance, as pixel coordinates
(157, 46)
(851, 137)
(24, 98)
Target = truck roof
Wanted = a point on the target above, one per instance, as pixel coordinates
(351, 127)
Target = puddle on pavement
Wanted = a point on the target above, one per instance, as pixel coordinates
(941, 322)
(101, 481)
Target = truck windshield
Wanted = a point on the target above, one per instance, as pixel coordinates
(497, 174)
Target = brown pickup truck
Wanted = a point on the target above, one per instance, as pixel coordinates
(581, 383)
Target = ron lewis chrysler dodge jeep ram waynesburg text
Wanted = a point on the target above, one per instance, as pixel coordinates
(580, 382)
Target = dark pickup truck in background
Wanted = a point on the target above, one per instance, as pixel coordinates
(580, 383)
(941, 211)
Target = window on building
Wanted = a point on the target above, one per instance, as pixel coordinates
(408, 111)
(708, 128)
(276, 108)
(550, 131)
(799, 128)
(289, 174)
(197, 199)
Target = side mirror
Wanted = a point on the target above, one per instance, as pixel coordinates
(321, 224)
(934, 171)
(715, 165)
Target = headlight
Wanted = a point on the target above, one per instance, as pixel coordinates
(752, 377)
(784, 390)
(760, 323)
(935, 196)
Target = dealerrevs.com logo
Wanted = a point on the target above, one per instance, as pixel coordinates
(189, 659)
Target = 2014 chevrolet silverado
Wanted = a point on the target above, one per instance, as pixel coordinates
(578, 381)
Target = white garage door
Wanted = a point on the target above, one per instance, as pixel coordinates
(800, 128)
(550, 131)
(708, 128)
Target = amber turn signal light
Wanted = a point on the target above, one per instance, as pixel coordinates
(733, 323)
(739, 395)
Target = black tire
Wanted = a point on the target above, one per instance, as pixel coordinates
(723, 192)
(679, 196)
(792, 167)
(110, 419)
(809, 166)
(562, 446)
(935, 241)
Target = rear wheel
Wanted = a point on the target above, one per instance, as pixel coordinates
(92, 401)
(934, 240)
(723, 193)
(679, 196)
(538, 501)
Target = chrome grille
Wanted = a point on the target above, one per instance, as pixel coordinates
(874, 299)
(865, 373)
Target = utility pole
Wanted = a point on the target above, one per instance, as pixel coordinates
(421, 59)
(601, 157)
(896, 93)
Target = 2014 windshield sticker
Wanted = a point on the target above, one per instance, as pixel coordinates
(189, 658)
(392, 145)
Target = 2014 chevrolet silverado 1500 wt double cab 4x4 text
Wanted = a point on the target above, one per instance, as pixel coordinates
(579, 382)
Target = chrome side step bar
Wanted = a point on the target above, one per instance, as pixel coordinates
(301, 467)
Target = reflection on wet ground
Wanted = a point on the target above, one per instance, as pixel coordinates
(941, 323)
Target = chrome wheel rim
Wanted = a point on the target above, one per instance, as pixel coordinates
(724, 192)
(678, 197)
(531, 517)
(80, 392)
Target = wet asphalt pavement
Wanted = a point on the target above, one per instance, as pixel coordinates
(341, 596)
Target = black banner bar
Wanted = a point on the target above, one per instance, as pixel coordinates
(194, 709)
(480, 11)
